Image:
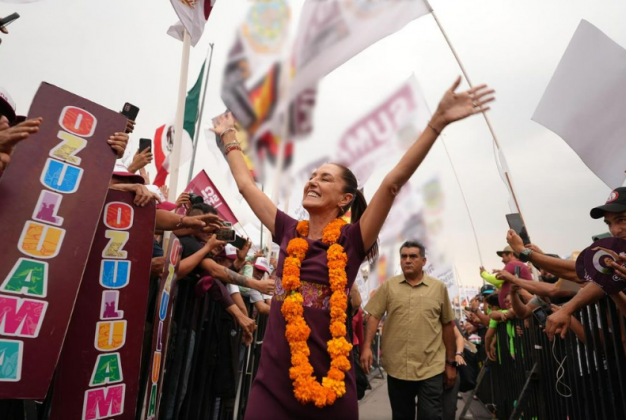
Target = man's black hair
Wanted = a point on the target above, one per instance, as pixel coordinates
(493, 300)
(204, 208)
(414, 244)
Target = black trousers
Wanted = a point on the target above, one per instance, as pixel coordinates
(428, 392)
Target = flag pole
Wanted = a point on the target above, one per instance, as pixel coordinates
(196, 137)
(180, 115)
(485, 116)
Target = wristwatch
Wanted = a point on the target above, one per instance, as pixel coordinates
(453, 363)
(459, 353)
(524, 256)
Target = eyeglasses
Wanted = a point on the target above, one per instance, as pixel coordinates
(410, 256)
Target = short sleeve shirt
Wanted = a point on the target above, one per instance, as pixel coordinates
(412, 341)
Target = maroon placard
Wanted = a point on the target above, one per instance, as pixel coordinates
(97, 375)
(161, 332)
(52, 195)
(202, 186)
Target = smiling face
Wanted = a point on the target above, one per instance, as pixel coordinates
(616, 223)
(325, 191)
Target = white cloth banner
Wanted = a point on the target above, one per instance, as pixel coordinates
(385, 133)
(332, 32)
(193, 15)
(585, 101)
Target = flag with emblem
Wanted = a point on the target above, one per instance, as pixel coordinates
(164, 135)
(193, 15)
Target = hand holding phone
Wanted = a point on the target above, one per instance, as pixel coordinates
(517, 224)
(130, 111)
(145, 144)
(227, 235)
(4, 22)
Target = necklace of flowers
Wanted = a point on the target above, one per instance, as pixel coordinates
(306, 388)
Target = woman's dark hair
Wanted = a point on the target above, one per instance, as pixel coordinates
(204, 208)
(358, 204)
(492, 300)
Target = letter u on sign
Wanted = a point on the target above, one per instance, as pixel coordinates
(61, 177)
(40, 241)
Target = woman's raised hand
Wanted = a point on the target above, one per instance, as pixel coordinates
(456, 106)
(223, 122)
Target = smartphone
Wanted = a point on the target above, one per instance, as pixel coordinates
(541, 316)
(518, 271)
(601, 236)
(239, 242)
(130, 111)
(227, 235)
(227, 224)
(517, 224)
(144, 144)
(9, 19)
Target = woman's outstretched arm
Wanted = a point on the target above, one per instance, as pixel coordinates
(453, 107)
(261, 205)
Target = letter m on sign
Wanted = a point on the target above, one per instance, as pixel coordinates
(21, 317)
(102, 403)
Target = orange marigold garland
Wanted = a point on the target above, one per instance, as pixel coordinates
(305, 387)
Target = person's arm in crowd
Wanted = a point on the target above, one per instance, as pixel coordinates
(452, 107)
(559, 322)
(142, 194)
(489, 278)
(11, 136)
(564, 269)
(522, 310)
(575, 325)
(238, 299)
(140, 160)
(264, 209)
(166, 220)
(620, 302)
(449, 340)
(187, 265)
(482, 317)
(228, 276)
(220, 295)
(491, 333)
(262, 307)
(355, 298)
(460, 346)
(241, 256)
(367, 357)
(534, 287)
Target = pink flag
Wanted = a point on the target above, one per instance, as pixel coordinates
(202, 186)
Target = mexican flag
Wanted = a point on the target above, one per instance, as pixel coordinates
(193, 15)
(164, 135)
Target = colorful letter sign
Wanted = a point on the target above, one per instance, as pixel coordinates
(98, 373)
(52, 196)
(161, 331)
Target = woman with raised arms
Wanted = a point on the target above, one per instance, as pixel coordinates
(305, 370)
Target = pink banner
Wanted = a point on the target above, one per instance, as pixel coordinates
(203, 186)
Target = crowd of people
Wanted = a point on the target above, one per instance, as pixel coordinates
(308, 293)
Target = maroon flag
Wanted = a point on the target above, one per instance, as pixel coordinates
(202, 186)
(98, 372)
(52, 197)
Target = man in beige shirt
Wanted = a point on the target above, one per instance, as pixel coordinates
(418, 343)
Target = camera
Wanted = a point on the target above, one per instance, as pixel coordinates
(195, 199)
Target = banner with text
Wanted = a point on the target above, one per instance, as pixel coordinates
(161, 332)
(52, 196)
(98, 372)
(202, 186)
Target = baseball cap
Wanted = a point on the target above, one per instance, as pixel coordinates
(7, 105)
(121, 171)
(616, 203)
(262, 264)
(487, 289)
(231, 252)
(505, 250)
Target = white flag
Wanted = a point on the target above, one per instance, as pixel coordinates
(585, 101)
(333, 31)
(193, 15)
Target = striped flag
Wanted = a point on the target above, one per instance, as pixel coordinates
(193, 15)
(164, 135)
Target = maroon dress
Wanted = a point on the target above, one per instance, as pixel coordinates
(272, 391)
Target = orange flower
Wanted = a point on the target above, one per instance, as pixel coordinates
(306, 388)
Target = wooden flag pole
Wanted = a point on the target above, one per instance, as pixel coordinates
(485, 116)
(174, 163)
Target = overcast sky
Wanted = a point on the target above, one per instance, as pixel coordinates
(116, 51)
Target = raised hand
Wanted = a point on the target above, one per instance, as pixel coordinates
(118, 142)
(222, 123)
(11, 136)
(456, 106)
(140, 160)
